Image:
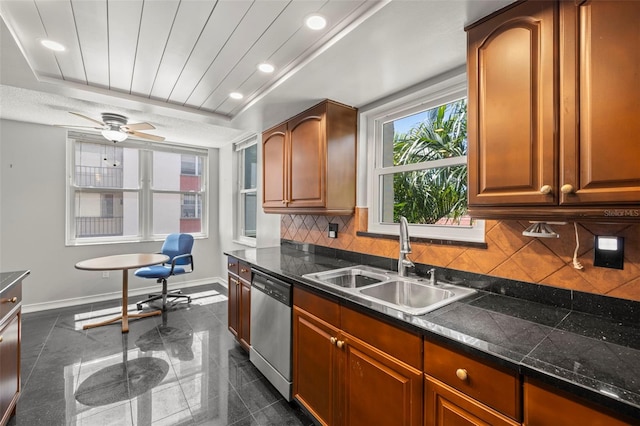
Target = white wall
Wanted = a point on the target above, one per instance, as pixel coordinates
(268, 232)
(32, 225)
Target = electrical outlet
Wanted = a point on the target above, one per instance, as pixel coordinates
(105, 274)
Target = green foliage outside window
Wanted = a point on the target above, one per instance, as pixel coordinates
(434, 195)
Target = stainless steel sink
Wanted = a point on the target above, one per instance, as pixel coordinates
(415, 297)
(351, 277)
(409, 295)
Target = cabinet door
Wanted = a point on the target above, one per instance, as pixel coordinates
(378, 389)
(245, 314)
(274, 167)
(600, 100)
(308, 149)
(445, 406)
(512, 150)
(9, 366)
(315, 366)
(544, 406)
(234, 305)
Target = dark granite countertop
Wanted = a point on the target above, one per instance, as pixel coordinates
(7, 279)
(593, 357)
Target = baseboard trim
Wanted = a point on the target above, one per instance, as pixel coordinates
(65, 303)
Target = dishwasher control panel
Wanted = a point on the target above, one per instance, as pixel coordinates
(272, 287)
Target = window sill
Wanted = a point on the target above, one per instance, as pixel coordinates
(424, 240)
(247, 242)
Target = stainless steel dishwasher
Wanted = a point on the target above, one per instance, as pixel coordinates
(271, 319)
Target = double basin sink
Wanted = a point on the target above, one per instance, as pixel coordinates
(411, 295)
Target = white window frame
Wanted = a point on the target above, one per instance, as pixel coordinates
(144, 190)
(239, 231)
(372, 121)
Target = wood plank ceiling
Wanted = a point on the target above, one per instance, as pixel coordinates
(183, 52)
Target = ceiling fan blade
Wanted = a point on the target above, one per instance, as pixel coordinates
(88, 118)
(138, 126)
(146, 136)
(77, 127)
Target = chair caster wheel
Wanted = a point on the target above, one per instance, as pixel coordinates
(139, 307)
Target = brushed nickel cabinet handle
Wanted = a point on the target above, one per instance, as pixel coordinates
(567, 189)
(243, 270)
(462, 374)
(12, 300)
(545, 189)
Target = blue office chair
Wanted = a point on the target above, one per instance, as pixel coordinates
(178, 248)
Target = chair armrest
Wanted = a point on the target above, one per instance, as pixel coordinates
(181, 256)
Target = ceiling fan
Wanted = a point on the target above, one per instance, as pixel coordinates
(115, 127)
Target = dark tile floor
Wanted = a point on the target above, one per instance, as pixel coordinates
(181, 368)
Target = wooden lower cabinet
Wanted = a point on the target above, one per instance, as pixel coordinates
(379, 389)
(546, 406)
(445, 406)
(315, 366)
(343, 380)
(10, 334)
(239, 303)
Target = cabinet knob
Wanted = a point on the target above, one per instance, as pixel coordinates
(567, 189)
(545, 189)
(340, 344)
(12, 300)
(243, 270)
(231, 265)
(0, 339)
(284, 201)
(333, 340)
(462, 374)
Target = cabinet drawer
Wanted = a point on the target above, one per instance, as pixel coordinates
(233, 265)
(244, 270)
(10, 298)
(495, 387)
(319, 306)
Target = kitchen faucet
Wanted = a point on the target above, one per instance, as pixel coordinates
(405, 248)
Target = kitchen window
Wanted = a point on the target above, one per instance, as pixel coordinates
(246, 154)
(418, 165)
(133, 191)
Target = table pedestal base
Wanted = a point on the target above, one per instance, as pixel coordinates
(124, 318)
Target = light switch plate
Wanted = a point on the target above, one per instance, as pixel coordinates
(333, 230)
(608, 252)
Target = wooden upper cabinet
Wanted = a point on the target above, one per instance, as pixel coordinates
(512, 107)
(274, 155)
(600, 100)
(554, 101)
(309, 162)
(307, 178)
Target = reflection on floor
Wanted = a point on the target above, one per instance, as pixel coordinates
(181, 368)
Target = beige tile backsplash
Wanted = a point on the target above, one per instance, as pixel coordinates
(509, 254)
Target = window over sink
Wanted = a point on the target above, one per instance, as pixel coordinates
(417, 163)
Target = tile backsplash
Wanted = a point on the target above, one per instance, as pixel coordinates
(509, 254)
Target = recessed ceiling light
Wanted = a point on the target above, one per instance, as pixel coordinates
(265, 67)
(315, 22)
(53, 45)
(235, 95)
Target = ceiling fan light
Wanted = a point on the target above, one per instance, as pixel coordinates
(114, 135)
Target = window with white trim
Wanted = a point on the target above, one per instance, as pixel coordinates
(418, 165)
(133, 191)
(246, 154)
